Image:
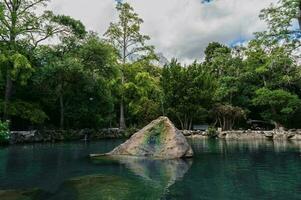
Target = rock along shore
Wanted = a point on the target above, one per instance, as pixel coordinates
(248, 134)
(40, 136)
(36, 136)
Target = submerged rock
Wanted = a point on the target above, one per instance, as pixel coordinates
(107, 187)
(159, 139)
(30, 194)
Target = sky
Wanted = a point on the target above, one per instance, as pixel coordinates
(178, 28)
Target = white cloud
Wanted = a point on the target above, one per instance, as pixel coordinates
(178, 28)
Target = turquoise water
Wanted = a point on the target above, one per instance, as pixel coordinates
(220, 170)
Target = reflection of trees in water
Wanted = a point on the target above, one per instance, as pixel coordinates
(230, 146)
(242, 170)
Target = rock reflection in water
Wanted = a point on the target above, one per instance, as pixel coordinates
(160, 172)
(156, 177)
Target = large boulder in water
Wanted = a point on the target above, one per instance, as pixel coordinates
(159, 139)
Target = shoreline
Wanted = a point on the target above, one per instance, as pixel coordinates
(46, 136)
(293, 135)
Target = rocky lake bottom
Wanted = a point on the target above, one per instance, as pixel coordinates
(220, 169)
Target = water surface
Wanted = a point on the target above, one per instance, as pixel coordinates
(233, 170)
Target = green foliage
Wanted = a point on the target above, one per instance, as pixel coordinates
(281, 18)
(187, 93)
(84, 81)
(75, 26)
(142, 92)
(212, 132)
(18, 66)
(278, 105)
(26, 111)
(125, 34)
(4, 132)
(78, 78)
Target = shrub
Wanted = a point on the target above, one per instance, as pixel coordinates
(212, 133)
(4, 132)
(129, 132)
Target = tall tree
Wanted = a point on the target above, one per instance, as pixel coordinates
(126, 37)
(284, 24)
(22, 28)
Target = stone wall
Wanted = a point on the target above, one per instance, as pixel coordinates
(249, 134)
(38, 136)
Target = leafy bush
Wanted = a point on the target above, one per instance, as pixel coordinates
(130, 131)
(4, 132)
(212, 133)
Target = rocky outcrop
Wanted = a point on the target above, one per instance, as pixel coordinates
(160, 139)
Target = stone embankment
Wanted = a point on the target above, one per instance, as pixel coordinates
(39, 136)
(248, 134)
(114, 133)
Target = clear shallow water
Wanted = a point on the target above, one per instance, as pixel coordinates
(233, 170)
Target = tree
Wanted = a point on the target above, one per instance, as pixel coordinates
(281, 18)
(277, 105)
(226, 66)
(213, 48)
(187, 92)
(143, 93)
(77, 77)
(272, 75)
(218, 59)
(227, 115)
(126, 37)
(22, 28)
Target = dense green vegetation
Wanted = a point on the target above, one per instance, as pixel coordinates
(88, 81)
(4, 132)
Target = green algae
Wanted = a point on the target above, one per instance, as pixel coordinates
(155, 136)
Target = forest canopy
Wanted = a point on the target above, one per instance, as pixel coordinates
(87, 80)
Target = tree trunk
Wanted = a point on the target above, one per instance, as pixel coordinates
(299, 15)
(62, 114)
(190, 124)
(224, 124)
(12, 46)
(181, 122)
(277, 125)
(7, 96)
(122, 124)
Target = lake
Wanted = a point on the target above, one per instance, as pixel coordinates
(220, 169)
